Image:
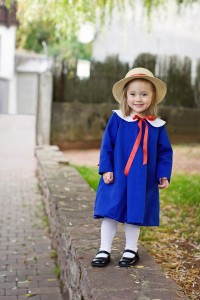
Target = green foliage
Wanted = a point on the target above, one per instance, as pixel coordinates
(45, 220)
(32, 36)
(36, 32)
(146, 60)
(180, 90)
(68, 15)
(103, 76)
(150, 4)
(8, 3)
(53, 254)
(57, 271)
(63, 19)
(97, 89)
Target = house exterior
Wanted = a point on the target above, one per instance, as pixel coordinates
(8, 24)
(20, 70)
(28, 69)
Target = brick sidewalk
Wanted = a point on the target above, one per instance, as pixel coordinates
(26, 266)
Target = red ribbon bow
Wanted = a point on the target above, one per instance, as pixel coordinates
(137, 142)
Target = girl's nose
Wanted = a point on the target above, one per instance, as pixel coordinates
(137, 98)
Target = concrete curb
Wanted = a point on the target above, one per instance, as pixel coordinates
(75, 236)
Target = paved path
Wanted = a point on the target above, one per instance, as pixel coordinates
(26, 266)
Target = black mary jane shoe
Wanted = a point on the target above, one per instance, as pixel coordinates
(101, 262)
(126, 262)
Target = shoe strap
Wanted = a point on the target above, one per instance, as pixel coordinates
(130, 251)
(104, 252)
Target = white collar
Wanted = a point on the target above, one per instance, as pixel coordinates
(156, 123)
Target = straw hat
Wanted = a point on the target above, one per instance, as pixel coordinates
(136, 73)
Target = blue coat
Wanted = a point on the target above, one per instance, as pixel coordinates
(134, 198)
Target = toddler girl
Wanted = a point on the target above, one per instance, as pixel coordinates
(135, 160)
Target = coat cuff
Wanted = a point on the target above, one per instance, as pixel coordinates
(159, 176)
(103, 168)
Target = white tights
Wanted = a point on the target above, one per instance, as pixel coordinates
(108, 231)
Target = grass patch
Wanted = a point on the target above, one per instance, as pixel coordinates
(184, 195)
(57, 271)
(184, 189)
(90, 174)
(53, 254)
(45, 220)
(180, 205)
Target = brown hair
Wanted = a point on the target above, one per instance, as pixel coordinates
(126, 110)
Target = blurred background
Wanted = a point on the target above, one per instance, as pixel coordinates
(60, 59)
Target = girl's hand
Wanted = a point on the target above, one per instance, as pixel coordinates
(164, 183)
(108, 177)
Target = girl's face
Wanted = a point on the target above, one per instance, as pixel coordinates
(139, 96)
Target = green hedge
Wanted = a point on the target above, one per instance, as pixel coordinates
(176, 72)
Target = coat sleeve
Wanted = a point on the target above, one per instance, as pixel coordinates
(164, 156)
(107, 145)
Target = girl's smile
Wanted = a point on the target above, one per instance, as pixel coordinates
(139, 96)
(138, 105)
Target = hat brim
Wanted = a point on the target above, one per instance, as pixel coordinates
(160, 87)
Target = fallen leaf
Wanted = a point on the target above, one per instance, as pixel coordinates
(171, 265)
(30, 295)
(180, 294)
(51, 279)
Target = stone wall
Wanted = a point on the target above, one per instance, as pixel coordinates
(78, 125)
(75, 237)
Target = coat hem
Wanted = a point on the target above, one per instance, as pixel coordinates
(132, 223)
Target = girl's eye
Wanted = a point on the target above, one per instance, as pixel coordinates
(144, 94)
(132, 94)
